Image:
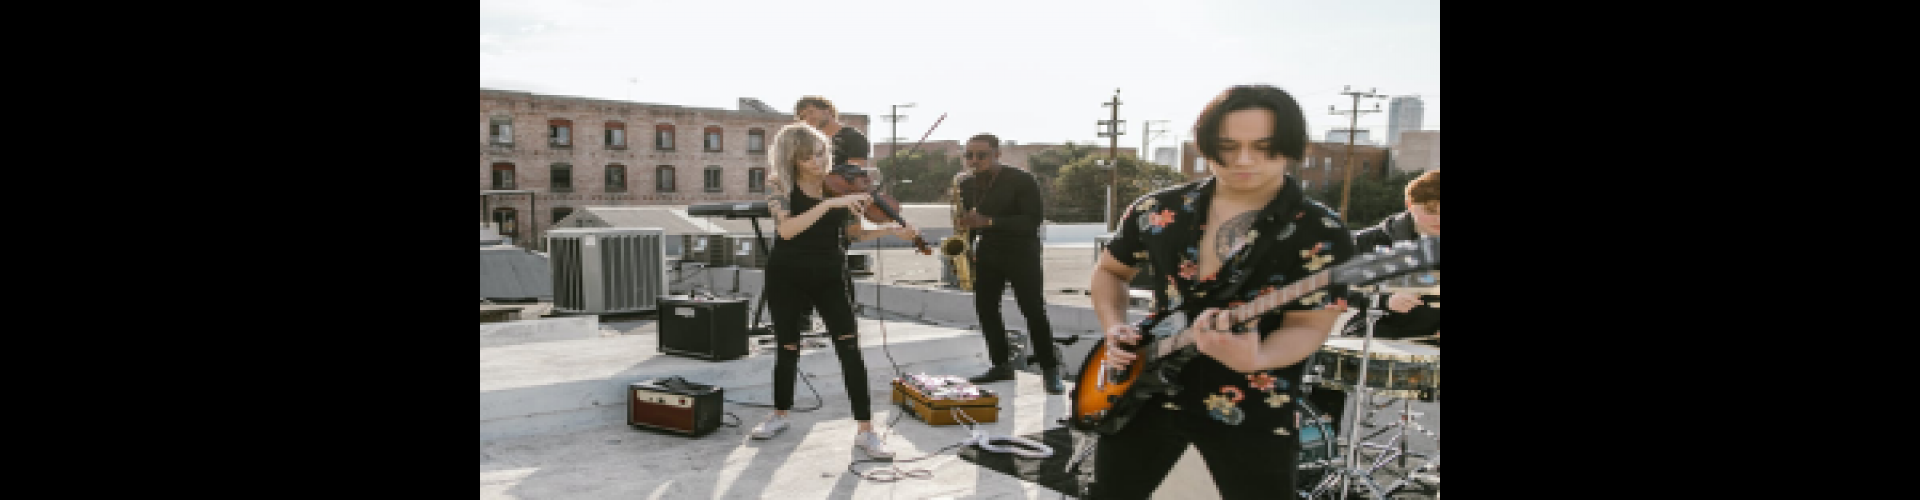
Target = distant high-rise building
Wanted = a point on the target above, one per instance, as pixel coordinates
(1404, 113)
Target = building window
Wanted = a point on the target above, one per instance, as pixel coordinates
(713, 140)
(562, 178)
(713, 179)
(663, 137)
(503, 176)
(756, 141)
(663, 179)
(506, 221)
(616, 178)
(1327, 164)
(1306, 184)
(501, 131)
(560, 214)
(616, 135)
(757, 180)
(560, 133)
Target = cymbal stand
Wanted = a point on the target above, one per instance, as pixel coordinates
(1351, 472)
(1397, 447)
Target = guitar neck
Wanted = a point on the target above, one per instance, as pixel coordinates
(1267, 302)
(1260, 305)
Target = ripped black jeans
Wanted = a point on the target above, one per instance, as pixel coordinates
(791, 292)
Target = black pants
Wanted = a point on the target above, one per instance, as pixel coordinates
(1246, 462)
(1000, 261)
(791, 292)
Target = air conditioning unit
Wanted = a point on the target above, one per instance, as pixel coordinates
(607, 270)
(709, 249)
(744, 251)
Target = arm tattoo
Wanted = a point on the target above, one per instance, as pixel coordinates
(1232, 232)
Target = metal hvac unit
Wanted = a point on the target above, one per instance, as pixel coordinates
(707, 249)
(744, 251)
(608, 270)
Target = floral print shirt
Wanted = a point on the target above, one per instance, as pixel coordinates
(1162, 230)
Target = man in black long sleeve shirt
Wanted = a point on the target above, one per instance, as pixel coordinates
(1002, 206)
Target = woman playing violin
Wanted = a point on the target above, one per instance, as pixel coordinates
(805, 272)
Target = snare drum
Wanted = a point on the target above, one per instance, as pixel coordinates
(1395, 368)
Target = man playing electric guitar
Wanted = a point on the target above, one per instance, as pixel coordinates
(1217, 243)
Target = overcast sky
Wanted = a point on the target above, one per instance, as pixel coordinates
(1031, 71)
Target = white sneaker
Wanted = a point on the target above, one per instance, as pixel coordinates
(870, 443)
(770, 428)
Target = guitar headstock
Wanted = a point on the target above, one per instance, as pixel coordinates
(1387, 262)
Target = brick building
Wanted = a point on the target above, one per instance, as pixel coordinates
(1012, 153)
(1417, 151)
(571, 152)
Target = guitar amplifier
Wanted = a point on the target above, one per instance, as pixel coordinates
(713, 329)
(675, 405)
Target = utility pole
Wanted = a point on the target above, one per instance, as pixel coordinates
(1346, 188)
(1146, 137)
(893, 139)
(1114, 129)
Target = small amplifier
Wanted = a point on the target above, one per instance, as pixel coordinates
(675, 405)
(713, 330)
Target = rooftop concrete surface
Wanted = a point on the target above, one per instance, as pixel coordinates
(552, 403)
(600, 457)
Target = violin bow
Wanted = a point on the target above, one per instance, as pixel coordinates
(916, 146)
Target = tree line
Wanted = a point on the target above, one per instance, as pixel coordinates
(1076, 183)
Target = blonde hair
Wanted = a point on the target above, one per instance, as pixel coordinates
(791, 143)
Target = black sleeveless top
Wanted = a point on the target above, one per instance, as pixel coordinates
(819, 245)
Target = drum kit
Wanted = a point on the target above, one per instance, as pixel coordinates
(1401, 371)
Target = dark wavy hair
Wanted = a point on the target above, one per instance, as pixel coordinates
(1289, 123)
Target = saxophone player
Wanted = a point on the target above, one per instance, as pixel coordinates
(1001, 210)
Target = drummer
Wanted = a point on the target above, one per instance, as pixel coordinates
(1408, 314)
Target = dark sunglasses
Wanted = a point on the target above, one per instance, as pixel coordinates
(979, 155)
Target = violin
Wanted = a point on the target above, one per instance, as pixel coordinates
(851, 179)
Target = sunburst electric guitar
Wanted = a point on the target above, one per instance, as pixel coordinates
(1106, 398)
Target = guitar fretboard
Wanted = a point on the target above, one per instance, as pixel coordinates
(1277, 298)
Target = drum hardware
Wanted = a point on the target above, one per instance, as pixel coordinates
(1352, 476)
(1396, 448)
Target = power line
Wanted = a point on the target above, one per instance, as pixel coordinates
(1346, 188)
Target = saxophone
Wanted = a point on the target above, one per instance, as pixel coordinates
(956, 249)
